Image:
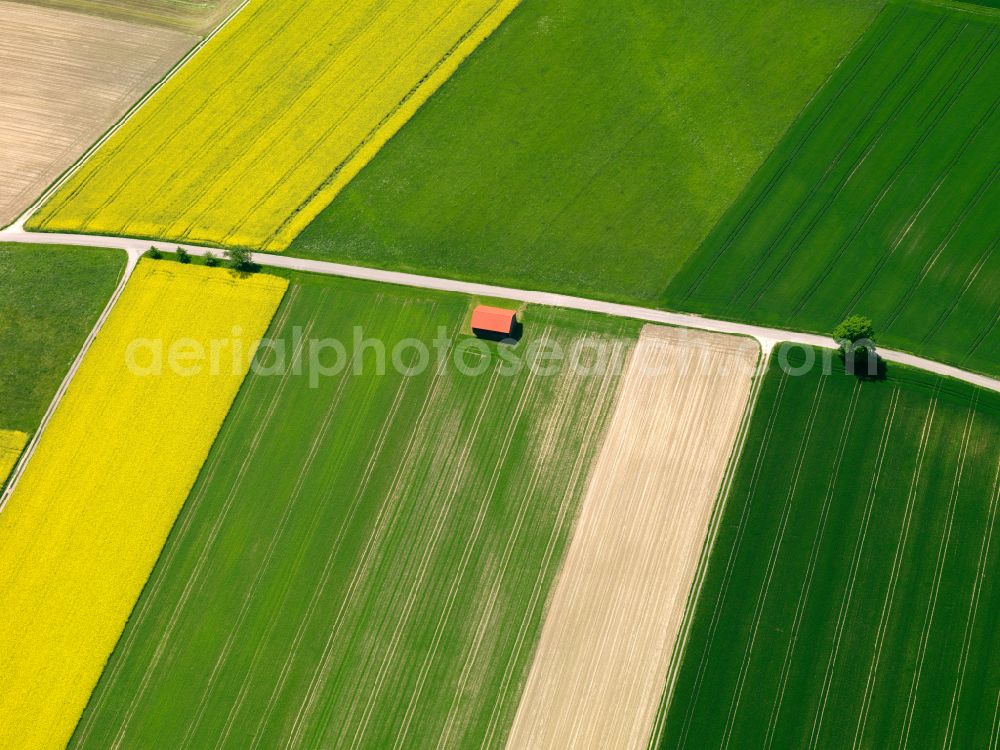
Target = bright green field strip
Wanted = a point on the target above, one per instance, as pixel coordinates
(50, 298)
(849, 596)
(880, 201)
(589, 146)
(366, 561)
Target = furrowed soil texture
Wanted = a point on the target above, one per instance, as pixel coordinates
(50, 298)
(85, 524)
(851, 597)
(617, 607)
(67, 78)
(590, 146)
(194, 17)
(881, 201)
(366, 558)
(258, 132)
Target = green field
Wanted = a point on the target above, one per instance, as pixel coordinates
(882, 200)
(50, 298)
(849, 599)
(589, 146)
(363, 562)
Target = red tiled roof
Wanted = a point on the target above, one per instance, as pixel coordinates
(495, 319)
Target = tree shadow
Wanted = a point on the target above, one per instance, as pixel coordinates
(867, 368)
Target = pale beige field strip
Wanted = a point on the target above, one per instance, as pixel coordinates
(618, 604)
(65, 78)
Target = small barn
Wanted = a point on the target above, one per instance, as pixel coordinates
(495, 323)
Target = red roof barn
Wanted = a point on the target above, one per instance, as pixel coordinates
(492, 322)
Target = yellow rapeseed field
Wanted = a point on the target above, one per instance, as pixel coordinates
(11, 445)
(258, 133)
(80, 534)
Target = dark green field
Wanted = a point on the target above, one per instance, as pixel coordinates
(50, 298)
(850, 598)
(589, 146)
(364, 562)
(882, 200)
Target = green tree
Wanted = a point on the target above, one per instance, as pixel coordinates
(855, 337)
(183, 256)
(239, 259)
(154, 253)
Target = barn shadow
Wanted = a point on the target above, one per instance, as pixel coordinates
(512, 338)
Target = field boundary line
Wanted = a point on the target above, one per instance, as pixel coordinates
(179, 532)
(776, 177)
(805, 202)
(289, 507)
(75, 167)
(273, 239)
(580, 476)
(897, 172)
(191, 583)
(131, 262)
(445, 615)
(722, 501)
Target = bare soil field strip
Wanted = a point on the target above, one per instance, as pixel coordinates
(620, 598)
(65, 78)
(196, 17)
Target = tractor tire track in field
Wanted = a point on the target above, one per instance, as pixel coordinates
(158, 104)
(321, 671)
(549, 440)
(166, 640)
(373, 134)
(313, 73)
(977, 587)
(803, 139)
(848, 423)
(894, 574)
(181, 530)
(852, 577)
(969, 281)
(889, 183)
(550, 559)
(936, 255)
(938, 572)
(806, 201)
(328, 567)
(289, 506)
(772, 563)
(885, 257)
(620, 597)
